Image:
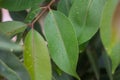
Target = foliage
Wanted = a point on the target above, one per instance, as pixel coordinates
(60, 40)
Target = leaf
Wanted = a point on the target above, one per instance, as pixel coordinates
(64, 6)
(110, 33)
(14, 64)
(36, 57)
(86, 16)
(11, 28)
(32, 14)
(62, 42)
(17, 5)
(7, 72)
(6, 44)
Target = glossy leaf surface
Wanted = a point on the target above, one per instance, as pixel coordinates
(86, 17)
(62, 42)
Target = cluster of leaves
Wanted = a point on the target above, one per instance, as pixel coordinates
(60, 40)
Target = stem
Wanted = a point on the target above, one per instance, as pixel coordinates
(43, 11)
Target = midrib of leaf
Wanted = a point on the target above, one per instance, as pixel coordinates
(60, 36)
(87, 10)
(33, 53)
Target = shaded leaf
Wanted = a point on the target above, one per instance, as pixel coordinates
(7, 72)
(110, 33)
(6, 44)
(86, 16)
(62, 42)
(64, 6)
(32, 14)
(11, 28)
(17, 5)
(14, 64)
(36, 57)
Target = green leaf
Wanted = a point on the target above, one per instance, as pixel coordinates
(14, 64)
(32, 14)
(36, 57)
(6, 44)
(62, 42)
(86, 16)
(11, 28)
(7, 72)
(17, 5)
(110, 33)
(64, 6)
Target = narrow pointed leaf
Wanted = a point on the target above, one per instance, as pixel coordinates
(11, 28)
(17, 5)
(14, 64)
(86, 16)
(62, 42)
(36, 57)
(7, 72)
(110, 32)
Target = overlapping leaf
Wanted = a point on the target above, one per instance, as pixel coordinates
(64, 6)
(11, 28)
(17, 5)
(110, 30)
(32, 14)
(62, 42)
(6, 44)
(7, 72)
(86, 16)
(36, 57)
(14, 69)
